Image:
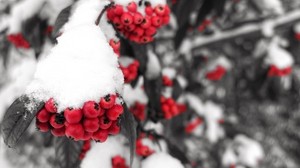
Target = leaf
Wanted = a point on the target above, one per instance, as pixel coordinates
(140, 53)
(17, 119)
(205, 9)
(62, 18)
(176, 152)
(177, 90)
(128, 125)
(67, 152)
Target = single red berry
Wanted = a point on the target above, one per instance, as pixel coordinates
(75, 131)
(43, 127)
(167, 10)
(58, 132)
(114, 129)
(110, 14)
(57, 121)
(117, 22)
(132, 7)
(118, 10)
(51, 106)
(151, 31)
(156, 21)
(105, 123)
(165, 20)
(168, 115)
(149, 10)
(115, 44)
(162, 99)
(130, 27)
(43, 116)
(86, 146)
(73, 116)
(126, 19)
(174, 110)
(134, 38)
(146, 39)
(114, 112)
(118, 162)
(108, 101)
(146, 23)
(87, 136)
(160, 10)
(138, 31)
(165, 108)
(91, 125)
(137, 18)
(167, 81)
(91, 109)
(100, 135)
(170, 101)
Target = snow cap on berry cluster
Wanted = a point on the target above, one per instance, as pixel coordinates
(82, 66)
(141, 9)
(278, 56)
(220, 61)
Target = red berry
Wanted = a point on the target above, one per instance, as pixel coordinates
(170, 101)
(151, 31)
(134, 38)
(118, 9)
(114, 112)
(58, 132)
(115, 44)
(86, 146)
(100, 135)
(126, 18)
(165, 108)
(137, 18)
(160, 10)
(73, 115)
(105, 123)
(43, 116)
(156, 21)
(130, 27)
(51, 106)
(108, 101)
(146, 39)
(117, 22)
(167, 10)
(75, 131)
(174, 110)
(110, 14)
(146, 23)
(43, 127)
(149, 10)
(57, 121)
(165, 20)
(91, 125)
(132, 7)
(138, 31)
(87, 136)
(91, 109)
(118, 162)
(114, 129)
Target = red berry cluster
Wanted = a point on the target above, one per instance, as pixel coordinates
(204, 25)
(134, 25)
(275, 71)
(190, 127)
(94, 121)
(138, 110)
(131, 71)
(167, 81)
(18, 40)
(141, 149)
(297, 36)
(86, 147)
(216, 74)
(170, 108)
(118, 162)
(115, 45)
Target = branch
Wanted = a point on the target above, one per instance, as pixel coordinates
(246, 30)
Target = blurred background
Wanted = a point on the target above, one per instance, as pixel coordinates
(234, 66)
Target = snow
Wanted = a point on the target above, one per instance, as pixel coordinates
(81, 67)
(169, 72)
(243, 150)
(100, 154)
(297, 27)
(21, 12)
(153, 66)
(268, 28)
(158, 127)
(132, 95)
(272, 5)
(161, 160)
(220, 61)
(278, 56)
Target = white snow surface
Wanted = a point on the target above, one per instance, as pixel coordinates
(220, 61)
(161, 160)
(297, 27)
(169, 72)
(132, 95)
(81, 67)
(271, 5)
(278, 56)
(248, 152)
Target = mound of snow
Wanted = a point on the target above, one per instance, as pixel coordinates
(161, 160)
